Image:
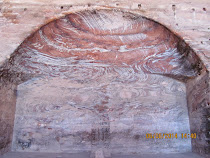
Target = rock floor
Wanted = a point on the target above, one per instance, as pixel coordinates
(87, 155)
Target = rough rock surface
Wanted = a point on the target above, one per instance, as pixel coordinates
(7, 114)
(106, 39)
(57, 50)
(111, 111)
(103, 65)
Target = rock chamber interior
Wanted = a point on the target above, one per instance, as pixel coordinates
(98, 81)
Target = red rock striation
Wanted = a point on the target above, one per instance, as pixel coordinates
(105, 40)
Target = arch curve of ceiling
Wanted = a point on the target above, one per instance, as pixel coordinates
(104, 40)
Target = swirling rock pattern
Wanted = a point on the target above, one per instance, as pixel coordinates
(97, 83)
(105, 39)
(67, 115)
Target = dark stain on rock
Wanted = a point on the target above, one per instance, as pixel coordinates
(136, 137)
(24, 143)
(100, 108)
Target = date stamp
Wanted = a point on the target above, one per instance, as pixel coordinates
(170, 135)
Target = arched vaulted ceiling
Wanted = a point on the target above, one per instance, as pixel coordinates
(102, 41)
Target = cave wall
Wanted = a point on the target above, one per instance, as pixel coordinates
(7, 114)
(111, 111)
(87, 47)
(187, 18)
(199, 112)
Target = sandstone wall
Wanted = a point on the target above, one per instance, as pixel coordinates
(188, 19)
(7, 114)
(199, 112)
(112, 112)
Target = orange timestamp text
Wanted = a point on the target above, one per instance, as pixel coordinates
(170, 135)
